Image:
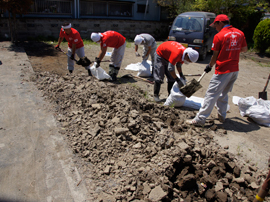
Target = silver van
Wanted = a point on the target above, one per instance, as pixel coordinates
(192, 29)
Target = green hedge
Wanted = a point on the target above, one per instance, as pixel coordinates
(261, 36)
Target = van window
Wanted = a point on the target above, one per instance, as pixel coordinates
(183, 23)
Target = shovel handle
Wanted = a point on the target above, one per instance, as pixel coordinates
(266, 83)
(201, 77)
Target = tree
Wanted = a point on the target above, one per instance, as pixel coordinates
(175, 7)
(244, 14)
(14, 8)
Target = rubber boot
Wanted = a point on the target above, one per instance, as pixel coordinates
(89, 72)
(114, 78)
(169, 87)
(156, 92)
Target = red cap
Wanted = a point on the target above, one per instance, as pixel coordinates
(220, 17)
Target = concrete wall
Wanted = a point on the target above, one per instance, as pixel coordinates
(30, 27)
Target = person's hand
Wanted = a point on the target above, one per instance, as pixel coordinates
(182, 76)
(57, 47)
(72, 57)
(179, 82)
(266, 184)
(137, 54)
(97, 60)
(207, 68)
(144, 57)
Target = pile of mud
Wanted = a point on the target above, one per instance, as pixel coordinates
(137, 150)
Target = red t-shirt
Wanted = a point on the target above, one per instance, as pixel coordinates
(112, 39)
(73, 37)
(171, 51)
(228, 42)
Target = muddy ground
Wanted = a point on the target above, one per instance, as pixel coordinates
(129, 148)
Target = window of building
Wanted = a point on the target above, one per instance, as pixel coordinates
(105, 8)
(141, 8)
(120, 9)
(51, 7)
(93, 8)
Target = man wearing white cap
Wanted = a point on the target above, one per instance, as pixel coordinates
(227, 45)
(149, 48)
(113, 40)
(75, 45)
(169, 54)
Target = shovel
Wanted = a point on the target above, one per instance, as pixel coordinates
(192, 86)
(130, 76)
(263, 94)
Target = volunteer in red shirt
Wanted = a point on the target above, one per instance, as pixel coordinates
(75, 45)
(113, 40)
(227, 45)
(167, 55)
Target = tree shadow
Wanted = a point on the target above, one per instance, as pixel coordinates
(2, 199)
(15, 48)
(38, 49)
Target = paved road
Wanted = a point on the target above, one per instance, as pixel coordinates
(35, 162)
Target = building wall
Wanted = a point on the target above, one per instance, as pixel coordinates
(30, 27)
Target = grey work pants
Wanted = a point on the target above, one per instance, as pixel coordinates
(217, 93)
(152, 54)
(118, 55)
(161, 69)
(80, 53)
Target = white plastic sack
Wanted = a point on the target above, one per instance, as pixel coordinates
(144, 68)
(193, 102)
(257, 109)
(176, 97)
(99, 73)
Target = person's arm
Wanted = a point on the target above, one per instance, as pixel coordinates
(102, 53)
(136, 50)
(73, 48)
(148, 52)
(213, 60)
(244, 49)
(179, 69)
(264, 190)
(60, 39)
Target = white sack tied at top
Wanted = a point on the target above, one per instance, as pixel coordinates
(99, 73)
(144, 68)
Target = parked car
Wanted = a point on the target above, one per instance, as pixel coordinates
(192, 30)
(266, 16)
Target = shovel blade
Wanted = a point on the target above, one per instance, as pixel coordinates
(263, 95)
(191, 87)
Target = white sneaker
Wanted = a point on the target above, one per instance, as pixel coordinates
(193, 122)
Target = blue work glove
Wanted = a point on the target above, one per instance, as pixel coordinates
(72, 57)
(207, 68)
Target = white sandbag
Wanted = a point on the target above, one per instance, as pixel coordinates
(99, 73)
(176, 97)
(257, 109)
(193, 102)
(145, 69)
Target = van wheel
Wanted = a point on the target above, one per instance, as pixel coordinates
(204, 53)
